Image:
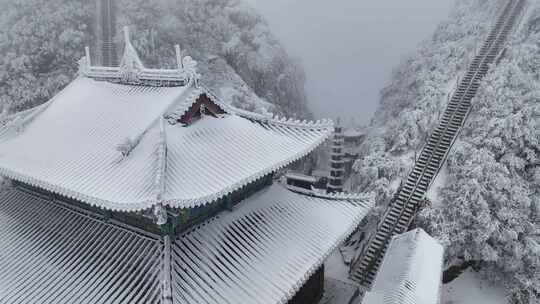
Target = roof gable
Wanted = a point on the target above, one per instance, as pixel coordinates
(202, 105)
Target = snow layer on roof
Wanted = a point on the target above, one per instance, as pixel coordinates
(353, 133)
(71, 147)
(301, 177)
(103, 144)
(50, 254)
(471, 288)
(216, 156)
(262, 252)
(410, 273)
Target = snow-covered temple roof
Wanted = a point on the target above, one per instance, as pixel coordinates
(411, 271)
(262, 252)
(352, 132)
(120, 146)
(301, 177)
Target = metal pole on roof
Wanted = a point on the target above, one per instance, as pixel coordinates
(166, 277)
(106, 30)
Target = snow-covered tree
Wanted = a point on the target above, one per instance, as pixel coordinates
(490, 205)
(417, 92)
(41, 41)
(38, 51)
(489, 208)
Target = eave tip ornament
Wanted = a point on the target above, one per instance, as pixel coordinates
(132, 71)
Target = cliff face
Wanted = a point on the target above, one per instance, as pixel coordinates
(488, 206)
(41, 41)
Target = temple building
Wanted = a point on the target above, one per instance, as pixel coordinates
(411, 271)
(138, 185)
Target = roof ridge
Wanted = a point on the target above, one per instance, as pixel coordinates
(161, 162)
(270, 118)
(302, 124)
(13, 121)
(159, 178)
(130, 144)
(10, 117)
(133, 72)
(19, 121)
(351, 197)
(265, 118)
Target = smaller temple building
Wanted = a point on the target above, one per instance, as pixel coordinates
(138, 185)
(411, 271)
(306, 182)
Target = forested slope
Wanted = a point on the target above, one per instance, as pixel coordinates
(488, 210)
(416, 94)
(41, 41)
(490, 205)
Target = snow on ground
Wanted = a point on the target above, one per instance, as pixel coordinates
(338, 289)
(438, 184)
(335, 267)
(350, 249)
(337, 292)
(469, 288)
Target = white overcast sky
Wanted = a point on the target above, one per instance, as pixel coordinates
(349, 47)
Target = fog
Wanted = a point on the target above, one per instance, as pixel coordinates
(349, 47)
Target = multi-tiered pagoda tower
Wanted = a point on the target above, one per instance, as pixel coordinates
(337, 162)
(136, 185)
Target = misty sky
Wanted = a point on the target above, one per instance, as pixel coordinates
(349, 47)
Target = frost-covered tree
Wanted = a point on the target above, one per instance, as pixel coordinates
(41, 41)
(489, 208)
(38, 51)
(491, 204)
(417, 92)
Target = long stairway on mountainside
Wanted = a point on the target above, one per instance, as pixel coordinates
(403, 208)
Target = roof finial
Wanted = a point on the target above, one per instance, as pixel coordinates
(126, 35)
(132, 71)
(131, 65)
(87, 54)
(190, 68)
(179, 57)
(160, 214)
